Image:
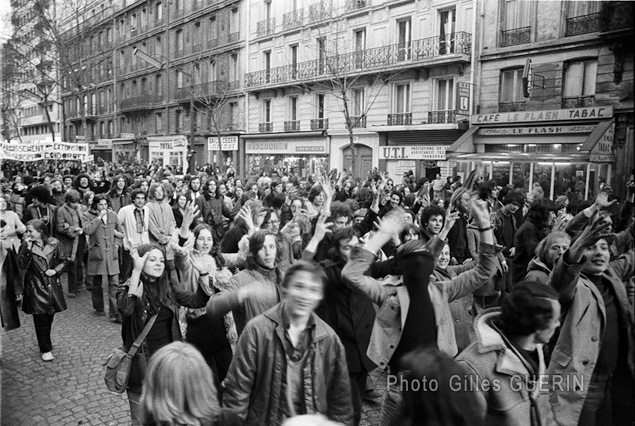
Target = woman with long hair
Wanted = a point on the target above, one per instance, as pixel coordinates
(118, 195)
(179, 390)
(10, 225)
(149, 292)
(43, 261)
(255, 289)
(199, 267)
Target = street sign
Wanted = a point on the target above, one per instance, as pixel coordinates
(528, 79)
(463, 98)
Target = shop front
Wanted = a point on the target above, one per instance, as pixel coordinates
(102, 149)
(301, 156)
(228, 148)
(568, 151)
(124, 150)
(169, 150)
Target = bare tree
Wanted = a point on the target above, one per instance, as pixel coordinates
(59, 50)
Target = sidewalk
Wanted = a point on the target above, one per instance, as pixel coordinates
(70, 390)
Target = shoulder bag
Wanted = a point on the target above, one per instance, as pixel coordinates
(119, 362)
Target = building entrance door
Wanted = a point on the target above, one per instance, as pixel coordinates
(363, 160)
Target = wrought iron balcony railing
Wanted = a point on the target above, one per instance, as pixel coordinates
(413, 53)
(140, 102)
(265, 27)
(233, 37)
(292, 126)
(400, 119)
(320, 124)
(320, 10)
(578, 101)
(511, 106)
(583, 24)
(617, 15)
(292, 19)
(355, 121)
(210, 88)
(356, 4)
(265, 127)
(515, 36)
(437, 117)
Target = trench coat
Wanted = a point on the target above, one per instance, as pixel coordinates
(103, 250)
(43, 294)
(10, 286)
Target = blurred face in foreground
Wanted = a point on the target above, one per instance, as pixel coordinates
(302, 294)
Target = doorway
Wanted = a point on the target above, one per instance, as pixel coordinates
(363, 160)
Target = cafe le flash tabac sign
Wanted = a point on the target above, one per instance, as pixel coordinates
(595, 113)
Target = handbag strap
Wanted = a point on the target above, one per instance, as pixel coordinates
(135, 346)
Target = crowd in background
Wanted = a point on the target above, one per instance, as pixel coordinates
(293, 290)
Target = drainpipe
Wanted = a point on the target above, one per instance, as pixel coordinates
(473, 59)
(242, 155)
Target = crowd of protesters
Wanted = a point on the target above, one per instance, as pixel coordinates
(483, 303)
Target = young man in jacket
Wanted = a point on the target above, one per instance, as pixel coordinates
(595, 344)
(70, 233)
(288, 362)
(506, 366)
(134, 222)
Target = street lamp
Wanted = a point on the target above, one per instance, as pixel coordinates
(191, 157)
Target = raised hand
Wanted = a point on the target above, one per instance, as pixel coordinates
(595, 230)
(191, 211)
(246, 216)
(392, 223)
(322, 228)
(480, 211)
(602, 200)
(138, 261)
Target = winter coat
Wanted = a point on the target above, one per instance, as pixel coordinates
(227, 300)
(32, 212)
(394, 300)
(133, 310)
(460, 308)
(43, 294)
(67, 221)
(351, 314)
(117, 201)
(256, 381)
(537, 271)
(103, 247)
(161, 225)
(212, 210)
(10, 286)
(576, 352)
(508, 401)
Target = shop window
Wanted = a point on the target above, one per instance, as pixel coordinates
(579, 84)
(511, 97)
(516, 22)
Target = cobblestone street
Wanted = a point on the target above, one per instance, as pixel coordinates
(70, 389)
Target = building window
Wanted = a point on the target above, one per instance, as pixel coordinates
(179, 79)
(321, 54)
(404, 39)
(293, 53)
(267, 61)
(447, 24)
(158, 85)
(212, 70)
(158, 122)
(233, 68)
(159, 11)
(293, 108)
(320, 106)
(233, 115)
(234, 22)
(516, 22)
(357, 99)
(178, 121)
(444, 102)
(144, 18)
(579, 84)
(266, 110)
(212, 30)
(133, 22)
(179, 42)
(510, 97)
(401, 101)
(583, 17)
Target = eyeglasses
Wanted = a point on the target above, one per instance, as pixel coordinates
(275, 221)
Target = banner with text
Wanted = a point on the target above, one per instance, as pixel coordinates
(43, 150)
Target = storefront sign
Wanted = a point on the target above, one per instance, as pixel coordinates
(103, 144)
(169, 151)
(550, 115)
(414, 152)
(536, 130)
(602, 152)
(228, 143)
(127, 136)
(124, 152)
(291, 147)
(396, 169)
(463, 93)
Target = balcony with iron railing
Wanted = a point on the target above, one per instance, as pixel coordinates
(511, 106)
(400, 119)
(140, 102)
(584, 24)
(265, 127)
(357, 121)
(320, 124)
(515, 36)
(578, 101)
(265, 27)
(292, 126)
(438, 50)
(356, 4)
(292, 19)
(320, 11)
(440, 117)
